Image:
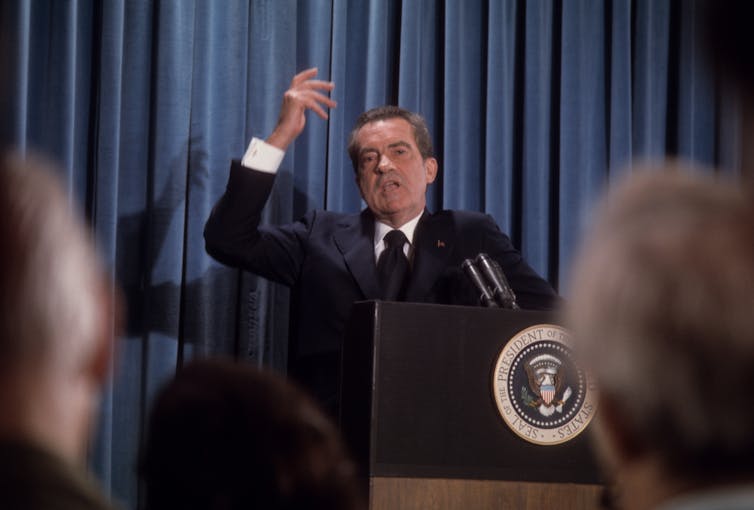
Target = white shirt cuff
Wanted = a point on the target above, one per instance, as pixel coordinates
(262, 156)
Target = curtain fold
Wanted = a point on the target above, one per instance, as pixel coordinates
(463, 81)
(540, 104)
(502, 115)
(619, 82)
(535, 106)
(650, 77)
(583, 117)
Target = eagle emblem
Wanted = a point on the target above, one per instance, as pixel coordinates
(541, 392)
(546, 382)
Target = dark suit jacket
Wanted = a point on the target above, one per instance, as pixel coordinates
(31, 478)
(328, 260)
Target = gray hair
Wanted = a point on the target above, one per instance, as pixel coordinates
(662, 311)
(51, 280)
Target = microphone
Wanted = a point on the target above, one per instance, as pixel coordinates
(477, 279)
(501, 290)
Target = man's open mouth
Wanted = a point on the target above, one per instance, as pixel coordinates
(389, 185)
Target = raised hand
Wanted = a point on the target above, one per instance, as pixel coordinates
(304, 94)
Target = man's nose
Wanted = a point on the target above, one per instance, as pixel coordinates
(385, 164)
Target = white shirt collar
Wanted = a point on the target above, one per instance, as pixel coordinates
(408, 228)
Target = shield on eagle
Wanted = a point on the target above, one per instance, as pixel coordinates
(545, 381)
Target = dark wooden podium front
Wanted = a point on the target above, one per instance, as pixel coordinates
(417, 410)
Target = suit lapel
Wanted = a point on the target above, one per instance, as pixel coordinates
(433, 245)
(355, 241)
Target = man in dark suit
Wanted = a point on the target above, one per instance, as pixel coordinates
(330, 259)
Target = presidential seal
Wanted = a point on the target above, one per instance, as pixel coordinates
(541, 394)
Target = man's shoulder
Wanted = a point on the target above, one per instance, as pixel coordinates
(323, 220)
(33, 477)
(334, 217)
(463, 220)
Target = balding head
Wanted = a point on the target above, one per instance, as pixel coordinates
(55, 302)
(50, 277)
(662, 308)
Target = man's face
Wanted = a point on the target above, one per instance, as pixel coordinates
(392, 175)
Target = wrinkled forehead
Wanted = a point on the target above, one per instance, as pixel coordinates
(382, 133)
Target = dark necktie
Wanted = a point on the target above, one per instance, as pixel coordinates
(392, 268)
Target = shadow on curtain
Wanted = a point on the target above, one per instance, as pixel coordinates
(534, 106)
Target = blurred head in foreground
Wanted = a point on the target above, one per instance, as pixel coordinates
(56, 310)
(224, 435)
(57, 323)
(662, 311)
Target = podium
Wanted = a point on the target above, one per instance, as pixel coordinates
(418, 412)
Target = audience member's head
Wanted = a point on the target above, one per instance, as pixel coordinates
(224, 435)
(662, 310)
(56, 313)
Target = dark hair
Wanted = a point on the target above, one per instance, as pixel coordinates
(421, 131)
(224, 435)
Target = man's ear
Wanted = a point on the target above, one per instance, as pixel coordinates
(430, 169)
(111, 326)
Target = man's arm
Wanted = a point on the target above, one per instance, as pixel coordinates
(232, 234)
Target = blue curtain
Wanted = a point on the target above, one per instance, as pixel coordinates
(534, 106)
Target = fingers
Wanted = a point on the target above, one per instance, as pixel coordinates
(305, 93)
(309, 93)
(314, 102)
(304, 79)
(319, 84)
(304, 75)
